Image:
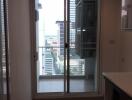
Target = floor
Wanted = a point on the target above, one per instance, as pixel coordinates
(57, 85)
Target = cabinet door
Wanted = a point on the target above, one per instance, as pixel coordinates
(120, 95)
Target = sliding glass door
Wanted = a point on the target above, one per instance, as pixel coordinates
(82, 37)
(66, 46)
(50, 45)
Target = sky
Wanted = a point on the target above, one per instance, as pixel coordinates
(52, 10)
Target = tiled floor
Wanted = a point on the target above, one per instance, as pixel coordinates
(57, 85)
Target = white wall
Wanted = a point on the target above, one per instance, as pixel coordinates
(19, 46)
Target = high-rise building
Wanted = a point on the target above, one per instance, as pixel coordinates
(76, 65)
(60, 37)
(49, 55)
(48, 65)
(72, 11)
(72, 27)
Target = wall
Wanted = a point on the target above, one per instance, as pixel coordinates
(126, 51)
(19, 46)
(110, 35)
(126, 42)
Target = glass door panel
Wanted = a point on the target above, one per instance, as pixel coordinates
(82, 39)
(50, 45)
(66, 41)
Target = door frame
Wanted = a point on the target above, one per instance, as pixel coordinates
(36, 95)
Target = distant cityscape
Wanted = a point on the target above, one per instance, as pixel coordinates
(51, 54)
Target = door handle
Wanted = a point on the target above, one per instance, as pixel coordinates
(66, 45)
(35, 56)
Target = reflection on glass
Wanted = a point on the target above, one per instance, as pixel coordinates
(83, 45)
(126, 14)
(50, 46)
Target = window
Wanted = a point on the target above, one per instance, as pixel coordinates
(126, 14)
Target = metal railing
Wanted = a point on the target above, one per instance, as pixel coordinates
(51, 62)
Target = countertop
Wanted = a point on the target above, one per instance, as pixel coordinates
(122, 80)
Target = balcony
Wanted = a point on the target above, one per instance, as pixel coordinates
(51, 71)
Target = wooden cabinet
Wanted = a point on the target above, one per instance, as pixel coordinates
(118, 86)
(119, 94)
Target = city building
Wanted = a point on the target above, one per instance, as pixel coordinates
(60, 37)
(48, 64)
(49, 55)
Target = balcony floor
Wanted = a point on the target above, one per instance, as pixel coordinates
(57, 85)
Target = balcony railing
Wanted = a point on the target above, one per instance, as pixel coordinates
(51, 62)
